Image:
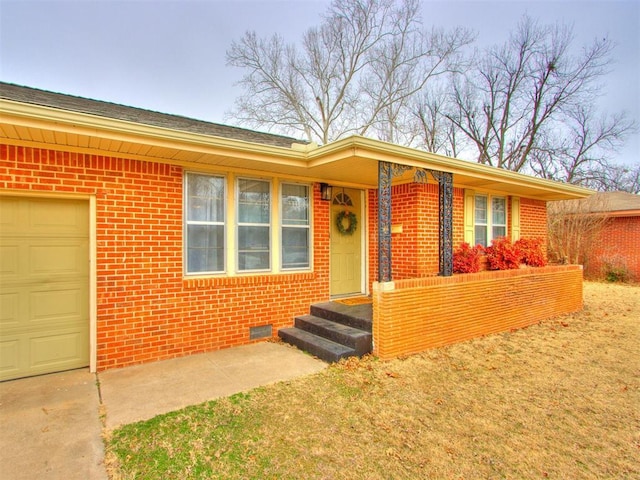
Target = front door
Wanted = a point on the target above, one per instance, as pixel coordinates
(346, 242)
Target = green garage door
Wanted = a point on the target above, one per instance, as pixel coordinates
(44, 286)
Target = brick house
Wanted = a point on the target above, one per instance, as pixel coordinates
(616, 251)
(130, 236)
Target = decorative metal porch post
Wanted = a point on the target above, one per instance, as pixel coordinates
(384, 221)
(445, 204)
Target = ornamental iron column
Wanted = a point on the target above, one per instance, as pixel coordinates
(386, 172)
(445, 206)
(384, 221)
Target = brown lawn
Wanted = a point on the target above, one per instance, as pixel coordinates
(556, 400)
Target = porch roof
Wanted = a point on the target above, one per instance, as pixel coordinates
(351, 161)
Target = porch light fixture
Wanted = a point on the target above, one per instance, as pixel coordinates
(326, 191)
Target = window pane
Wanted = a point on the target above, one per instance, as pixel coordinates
(205, 250)
(253, 261)
(295, 247)
(205, 201)
(499, 232)
(498, 211)
(481, 210)
(253, 201)
(295, 205)
(481, 235)
(253, 248)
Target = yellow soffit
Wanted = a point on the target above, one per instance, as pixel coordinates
(38, 116)
(299, 157)
(362, 147)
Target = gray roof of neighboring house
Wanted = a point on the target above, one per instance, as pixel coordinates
(616, 202)
(115, 111)
(612, 203)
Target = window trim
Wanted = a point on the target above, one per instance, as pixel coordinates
(186, 223)
(490, 223)
(230, 226)
(239, 224)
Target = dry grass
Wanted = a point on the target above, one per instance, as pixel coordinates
(556, 400)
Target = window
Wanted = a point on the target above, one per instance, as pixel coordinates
(490, 219)
(254, 224)
(205, 225)
(294, 202)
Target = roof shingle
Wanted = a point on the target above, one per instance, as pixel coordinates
(115, 111)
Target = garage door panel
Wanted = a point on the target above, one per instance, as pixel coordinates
(58, 260)
(26, 355)
(60, 305)
(9, 255)
(58, 218)
(61, 349)
(9, 358)
(44, 294)
(30, 309)
(9, 310)
(10, 209)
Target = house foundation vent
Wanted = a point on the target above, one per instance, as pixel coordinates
(263, 331)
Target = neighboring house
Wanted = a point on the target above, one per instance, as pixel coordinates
(616, 250)
(131, 236)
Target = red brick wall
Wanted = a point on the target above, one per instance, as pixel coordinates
(415, 315)
(146, 309)
(618, 249)
(533, 220)
(414, 206)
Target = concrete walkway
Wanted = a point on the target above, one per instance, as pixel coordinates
(50, 426)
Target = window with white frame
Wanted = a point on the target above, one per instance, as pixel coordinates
(254, 224)
(294, 219)
(205, 223)
(490, 218)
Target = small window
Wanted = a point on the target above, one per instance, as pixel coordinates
(295, 226)
(254, 224)
(343, 199)
(490, 219)
(205, 223)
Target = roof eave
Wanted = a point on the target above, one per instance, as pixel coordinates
(298, 158)
(383, 151)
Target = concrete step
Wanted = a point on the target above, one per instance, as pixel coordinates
(356, 316)
(320, 347)
(351, 337)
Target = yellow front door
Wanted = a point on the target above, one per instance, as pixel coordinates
(346, 242)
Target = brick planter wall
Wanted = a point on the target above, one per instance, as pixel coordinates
(413, 315)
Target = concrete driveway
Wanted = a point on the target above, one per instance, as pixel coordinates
(51, 426)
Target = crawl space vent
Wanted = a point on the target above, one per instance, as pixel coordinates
(262, 331)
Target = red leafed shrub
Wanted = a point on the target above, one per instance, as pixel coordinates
(503, 255)
(531, 251)
(466, 259)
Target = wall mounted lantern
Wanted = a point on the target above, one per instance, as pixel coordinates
(326, 191)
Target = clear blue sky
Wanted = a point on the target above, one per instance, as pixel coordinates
(169, 56)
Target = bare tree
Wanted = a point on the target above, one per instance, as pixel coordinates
(574, 228)
(432, 130)
(581, 151)
(354, 74)
(621, 178)
(518, 95)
